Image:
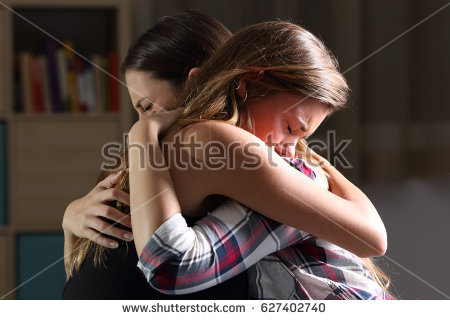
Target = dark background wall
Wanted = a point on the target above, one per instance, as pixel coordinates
(396, 57)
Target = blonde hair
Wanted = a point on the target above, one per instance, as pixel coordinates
(379, 276)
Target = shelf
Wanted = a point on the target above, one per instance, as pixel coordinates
(66, 3)
(54, 164)
(53, 158)
(71, 117)
(96, 35)
(6, 276)
(33, 228)
(4, 230)
(11, 229)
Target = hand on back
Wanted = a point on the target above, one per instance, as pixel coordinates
(84, 217)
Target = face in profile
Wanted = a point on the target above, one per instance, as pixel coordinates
(280, 119)
(283, 118)
(148, 94)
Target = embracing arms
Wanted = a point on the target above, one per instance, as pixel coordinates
(344, 216)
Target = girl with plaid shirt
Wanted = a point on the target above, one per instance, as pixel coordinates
(270, 84)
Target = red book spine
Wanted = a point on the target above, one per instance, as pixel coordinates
(114, 81)
(38, 105)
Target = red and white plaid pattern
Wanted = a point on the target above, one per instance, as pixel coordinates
(282, 262)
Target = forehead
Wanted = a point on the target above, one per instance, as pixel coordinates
(307, 114)
(140, 85)
(305, 107)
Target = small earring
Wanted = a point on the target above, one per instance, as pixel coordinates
(260, 74)
(245, 99)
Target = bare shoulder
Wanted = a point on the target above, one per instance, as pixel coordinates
(198, 159)
(220, 131)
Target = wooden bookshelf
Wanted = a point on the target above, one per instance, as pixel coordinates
(53, 158)
(68, 117)
(5, 61)
(5, 248)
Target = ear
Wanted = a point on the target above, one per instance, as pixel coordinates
(242, 87)
(192, 72)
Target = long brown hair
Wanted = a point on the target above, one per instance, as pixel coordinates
(278, 56)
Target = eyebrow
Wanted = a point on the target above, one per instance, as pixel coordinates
(303, 126)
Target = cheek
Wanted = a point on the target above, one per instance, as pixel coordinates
(169, 102)
(270, 130)
(163, 104)
(267, 125)
(278, 133)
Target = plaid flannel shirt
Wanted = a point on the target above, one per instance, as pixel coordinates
(282, 262)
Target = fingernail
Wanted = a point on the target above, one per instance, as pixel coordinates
(128, 236)
(120, 172)
(114, 244)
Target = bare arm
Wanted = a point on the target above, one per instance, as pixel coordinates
(151, 191)
(348, 220)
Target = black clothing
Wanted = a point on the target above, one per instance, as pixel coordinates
(119, 278)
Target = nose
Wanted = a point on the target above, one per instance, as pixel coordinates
(286, 147)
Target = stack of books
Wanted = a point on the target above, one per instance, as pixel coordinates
(59, 80)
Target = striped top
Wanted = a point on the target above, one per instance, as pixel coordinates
(282, 262)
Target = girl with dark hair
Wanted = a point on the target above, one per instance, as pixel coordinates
(99, 262)
(269, 87)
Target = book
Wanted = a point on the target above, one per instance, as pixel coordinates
(59, 81)
(18, 103)
(104, 78)
(99, 82)
(113, 81)
(46, 95)
(72, 89)
(81, 84)
(36, 85)
(25, 81)
(61, 63)
(90, 87)
(3, 175)
(50, 50)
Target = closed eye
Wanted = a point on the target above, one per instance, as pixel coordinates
(144, 104)
(289, 129)
(147, 108)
